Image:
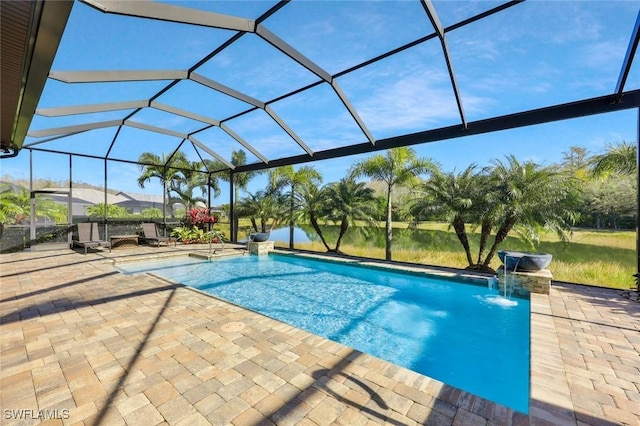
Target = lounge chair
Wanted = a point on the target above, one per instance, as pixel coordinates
(95, 236)
(150, 231)
(89, 237)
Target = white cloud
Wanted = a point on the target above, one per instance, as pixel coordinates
(419, 100)
(605, 55)
(483, 49)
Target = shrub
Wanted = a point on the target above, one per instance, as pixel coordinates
(199, 217)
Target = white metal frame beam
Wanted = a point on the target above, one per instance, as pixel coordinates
(161, 130)
(184, 113)
(354, 114)
(311, 66)
(88, 109)
(207, 82)
(67, 130)
(117, 76)
(211, 152)
(166, 12)
(292, 53)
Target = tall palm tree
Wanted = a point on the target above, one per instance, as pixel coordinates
(452, 194)
(398, 167)
(155, 166)
(349, 201)
(192, 177)
(288, 176)
(620, 158)
(184, 184)
(240, 181)
(214, 171)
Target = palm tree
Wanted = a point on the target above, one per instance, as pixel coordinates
(620, 158)
(155, 166)
(262, 206)
(184, 187)
(398, 167)
(485, 209)
(240, 181)
(311, 202)
(349, 201)
(248, 207)
(452, 194)
(531, 197)
(186, 181)
(12, 203)
(287, 176)
(15, 207)
(212, 169)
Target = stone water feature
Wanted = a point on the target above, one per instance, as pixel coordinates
(525, 272)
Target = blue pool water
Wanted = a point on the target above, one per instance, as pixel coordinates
(462, 334)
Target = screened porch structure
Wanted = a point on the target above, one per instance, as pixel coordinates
(298, 82)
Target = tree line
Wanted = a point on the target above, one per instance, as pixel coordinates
(508, 196)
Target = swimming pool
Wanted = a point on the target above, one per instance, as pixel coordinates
(458, 333)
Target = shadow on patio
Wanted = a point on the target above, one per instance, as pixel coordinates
(110, 348)
(115, 349)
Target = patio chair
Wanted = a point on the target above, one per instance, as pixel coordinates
(150, 231)
(89, 237)
(95, 236)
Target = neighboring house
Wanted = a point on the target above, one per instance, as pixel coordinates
(135, 203)
(82, 198)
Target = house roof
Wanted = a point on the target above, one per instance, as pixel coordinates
(89, 195)
(148, 198)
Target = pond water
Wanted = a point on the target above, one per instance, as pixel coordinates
(375, 237)
(299, 235)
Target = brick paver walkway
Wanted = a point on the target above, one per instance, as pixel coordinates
(83, 344)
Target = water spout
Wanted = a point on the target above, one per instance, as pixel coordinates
(504, 300)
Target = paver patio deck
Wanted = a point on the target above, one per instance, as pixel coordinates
(84, 344)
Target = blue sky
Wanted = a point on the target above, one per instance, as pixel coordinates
(535, 54)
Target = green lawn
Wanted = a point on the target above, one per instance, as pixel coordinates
(601, 258)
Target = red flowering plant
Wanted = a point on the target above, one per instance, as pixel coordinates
(196, 224)
(200, 217)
